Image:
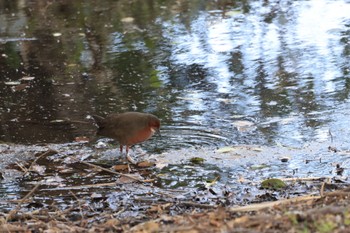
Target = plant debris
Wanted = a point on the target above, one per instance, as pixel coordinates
(67, 189)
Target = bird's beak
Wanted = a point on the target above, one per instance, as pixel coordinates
(158, 132)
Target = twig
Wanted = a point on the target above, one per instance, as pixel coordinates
(193, 204)
(113, 172)
(79, 122)
(82, 186)
(323, 186)
(12, 212)
(322, 189)
(304, 179)
(264, 205)
(25, 170)
(80, 209)
(37, 158)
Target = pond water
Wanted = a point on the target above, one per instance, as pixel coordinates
(216, 73)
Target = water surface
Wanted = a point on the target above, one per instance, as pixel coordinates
(272, 73)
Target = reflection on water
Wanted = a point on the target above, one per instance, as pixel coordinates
(280, 65)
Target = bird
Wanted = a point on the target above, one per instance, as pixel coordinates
(128, 128)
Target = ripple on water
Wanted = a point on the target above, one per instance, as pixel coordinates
(190, 135)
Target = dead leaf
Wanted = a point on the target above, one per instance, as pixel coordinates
(233, 13)
(225, 149)
(121, 167)
(127, 20)
(57, 34)
(145, 164)
(127, 179)
(81, 139)
(20, 87)
(256, 149)
(12, 83)
(27, 78)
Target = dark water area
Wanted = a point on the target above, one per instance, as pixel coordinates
(216, 73)
(280, 66)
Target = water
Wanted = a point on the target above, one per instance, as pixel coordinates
(279, 65)
(218, 73)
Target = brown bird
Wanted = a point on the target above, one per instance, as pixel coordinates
(128, 128)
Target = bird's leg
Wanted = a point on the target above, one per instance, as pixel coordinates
(128, 157)
(121, 149)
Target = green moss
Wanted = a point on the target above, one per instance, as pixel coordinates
(273, 184)
(197, 160)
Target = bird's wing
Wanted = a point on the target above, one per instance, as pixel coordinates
(126, 127)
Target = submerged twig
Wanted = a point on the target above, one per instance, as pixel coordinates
(113, 172)
(80, 209)
(25, 170)
(12, 212)
(198, 205)
(37, 158)
(82, 186)
(304, 179)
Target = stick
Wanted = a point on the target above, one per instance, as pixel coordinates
(12, 212)
(82, 186)
(80, 209)
(193, 204)
(304, 179)
(113, 172)
(256, 207)
(36, 159)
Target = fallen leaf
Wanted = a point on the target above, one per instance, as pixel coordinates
(127, 180)
(233, 13)
(256, 149)
(81, 139)
(127, 20)
(12, 83)
(259, 166)
(225, 149)
(57, 121)
(145, 164)
(19, 87)
(121, 167)
(27, 78)
(57, 34)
